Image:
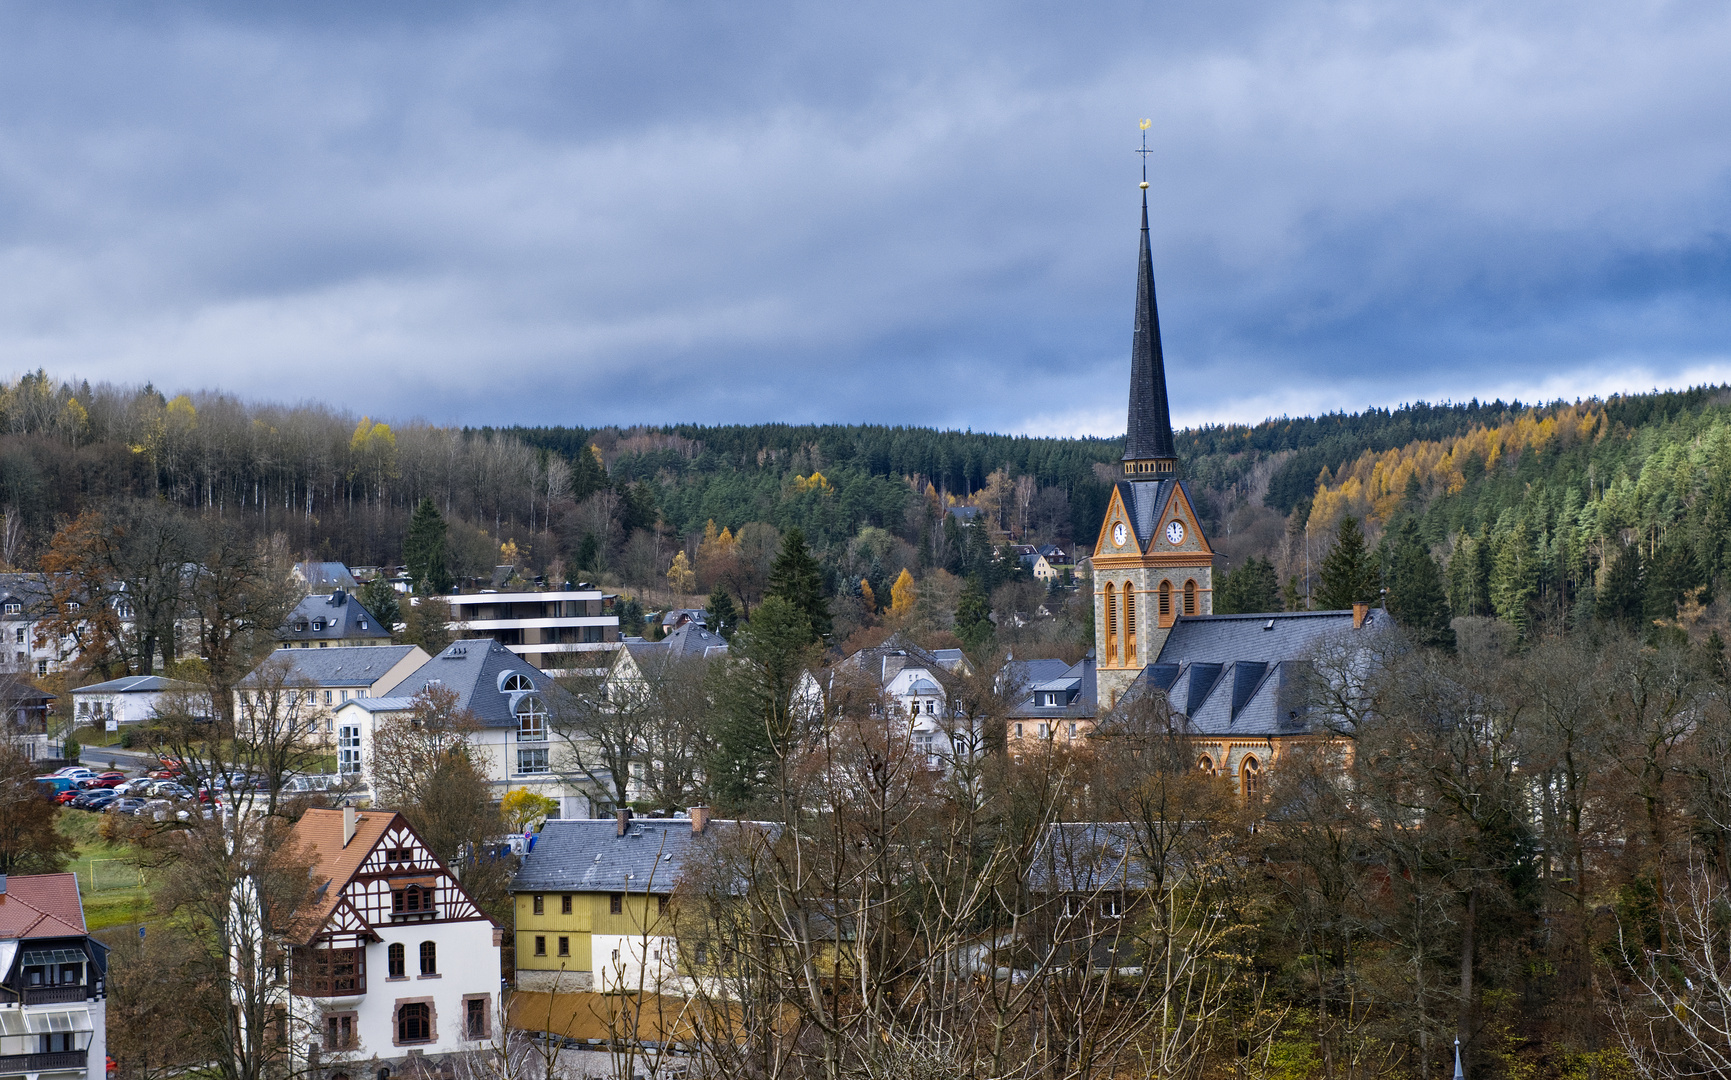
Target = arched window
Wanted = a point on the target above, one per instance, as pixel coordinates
(1129, 609)
(394, 958)
(514, 682)
(429, 958)
(414, 1022)
(1250, 778)
(1190, 597)
(1205, 764)
(1111, 624)
(531, 717)
(1165, 603)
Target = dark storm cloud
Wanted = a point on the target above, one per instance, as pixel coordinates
(917, 213)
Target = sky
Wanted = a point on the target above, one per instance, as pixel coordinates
(634, 212)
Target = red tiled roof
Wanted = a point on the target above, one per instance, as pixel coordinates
(40, 906)
(321, 831)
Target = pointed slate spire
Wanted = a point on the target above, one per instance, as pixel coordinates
(1148, 447)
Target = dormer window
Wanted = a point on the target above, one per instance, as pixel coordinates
(301, 627)
(412, 900)
(14, 609)
(318, 624)
(531, 715)
(363, 623)
(515, 682)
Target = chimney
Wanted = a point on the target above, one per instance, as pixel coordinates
(622, 820)
(1360, 612)
(349, 821)
(699, 818)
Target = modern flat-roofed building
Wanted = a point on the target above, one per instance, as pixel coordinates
(558, 632)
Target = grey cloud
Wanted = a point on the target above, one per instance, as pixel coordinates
(916, 213)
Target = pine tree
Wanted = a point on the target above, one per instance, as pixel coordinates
(1514, 575)
(723, 616)
(424, 550)
(795, 577)
(974, 617)
(1622, 599)
(379, 598)
(758, 715)
(1348, 576)
(1252, 587)
(1415, 590)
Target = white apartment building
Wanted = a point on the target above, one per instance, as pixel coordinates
(560, 632)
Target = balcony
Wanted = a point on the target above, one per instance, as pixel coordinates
(59, 1059)
(54, 995)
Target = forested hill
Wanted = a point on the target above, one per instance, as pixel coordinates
(1572, 483)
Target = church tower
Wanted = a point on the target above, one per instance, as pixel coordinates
(1152, 565)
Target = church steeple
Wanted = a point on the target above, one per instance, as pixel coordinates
(1148, 446)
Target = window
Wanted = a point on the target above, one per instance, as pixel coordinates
(339, 1031)
(41, 667)
(1250, 779)
(327, 697)
(1205, 764)
(1190, 597)
(540, 905)
(1018, 731)
(1111, 907)
(411, 900)
(1111, 611)
(475, 1017)
(616, 903)
(565, 904)
(661, 904)
(515, 682)
(318, 624)
(18, 635)
(564, 945)
(540, 945)
(429, 958)
(1072, 731)
(394, 961)
(14, 609)
(1044, 731)
(1129, 608)
(532, 761)
(84, 708)
(414, 1023)
(1165, 600)
(531, 715)
(931, 708)
(349, 750)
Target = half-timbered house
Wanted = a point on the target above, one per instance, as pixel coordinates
(392, 960)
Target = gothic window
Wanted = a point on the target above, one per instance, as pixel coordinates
(1165, 601)
(1205, 764)
(1129, 610)
(1190, 597)
(1250, 778)
(1111, 611)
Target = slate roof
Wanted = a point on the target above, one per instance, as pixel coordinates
(1223, 638)
(1244, 674)
(577, 855)
(1088, 856)
(381, 704)
(348, 665)
(883, 662)
(1078, 682)
(41, 906)
(690, 640)
(339, 615)
(136, 684)
(30, 590)
(474, 668)
(325, 575)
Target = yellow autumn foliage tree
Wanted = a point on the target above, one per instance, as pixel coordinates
(1374, 484)
(680, 577)
(866, 594)
(904, 594)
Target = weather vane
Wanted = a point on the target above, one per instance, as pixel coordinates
(1146, 124)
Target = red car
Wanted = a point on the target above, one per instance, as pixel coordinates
(67, 796)
(103, 780)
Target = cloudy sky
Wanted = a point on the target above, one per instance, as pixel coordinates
(618, 211)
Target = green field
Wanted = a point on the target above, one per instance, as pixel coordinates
(114, 892)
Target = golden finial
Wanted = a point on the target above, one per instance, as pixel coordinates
(1146, 124)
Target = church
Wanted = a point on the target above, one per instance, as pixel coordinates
(1237, 681)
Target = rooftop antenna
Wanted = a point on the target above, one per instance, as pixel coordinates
(1146, 124)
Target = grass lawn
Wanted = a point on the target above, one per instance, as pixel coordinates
(108, 879)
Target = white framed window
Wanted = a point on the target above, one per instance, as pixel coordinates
(515, 682)
(531, 713)
(532, 761)
(14, 609)
(349, 749)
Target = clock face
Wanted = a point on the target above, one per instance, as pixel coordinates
(1175, 532)
(1118, 534)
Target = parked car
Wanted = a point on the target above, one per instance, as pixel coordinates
(74, 771)
(64, 797)
(94, 800)
(125, 804)
(135, 788)
(170, 790)
(108, 780)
